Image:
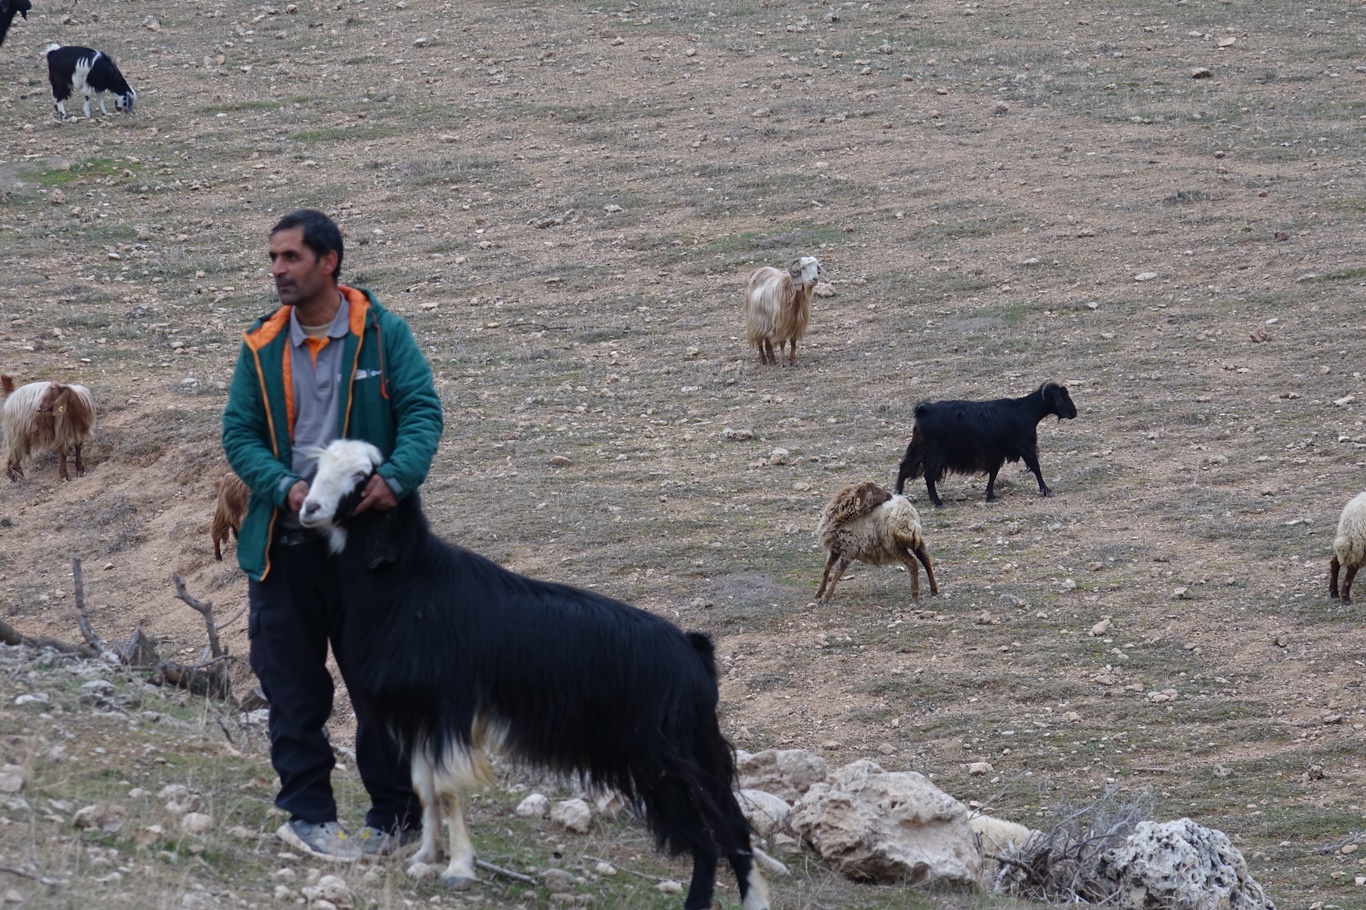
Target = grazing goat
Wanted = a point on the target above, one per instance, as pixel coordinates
(976, 437)
(464, 657)
(45, 415)
(778, 307)
(89, 72)
(864, 522)
(8, 8)
(1349, 547)
(228, 512)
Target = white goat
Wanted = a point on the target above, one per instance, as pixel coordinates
(778, 307)
(45, 415)
(864, 522)
(1349, 547)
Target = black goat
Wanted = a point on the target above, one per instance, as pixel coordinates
(8, 8)
(976, 437)
(463, 657)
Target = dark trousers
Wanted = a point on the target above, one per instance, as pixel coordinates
(295, 613)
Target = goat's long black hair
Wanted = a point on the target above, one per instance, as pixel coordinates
(443, 639)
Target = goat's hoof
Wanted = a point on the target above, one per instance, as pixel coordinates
(457, 882)
(1347, 601)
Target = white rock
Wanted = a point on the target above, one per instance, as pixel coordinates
(883, 827)
(330, 888)
(536, 805)
(1100, 628)
(573, 814)
(1181, 864)
(669, 886)
(12, 779)
(1145, 276)
(196, 823)
(978, 768)
(785, 773)
(605, 868)
(765, 812)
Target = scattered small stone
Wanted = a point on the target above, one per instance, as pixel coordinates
(737, 435)
(1201, 72)
(572, 814)
(779, 456)
(605, 868)
(196, 823)
(978, 768)
(1145, 276)
(1100, 628)
(557, 880)
(536, 805)
(561, 460)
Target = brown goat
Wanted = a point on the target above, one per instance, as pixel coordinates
(229, 511)
(45, 415)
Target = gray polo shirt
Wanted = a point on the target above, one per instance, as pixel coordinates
(317, 385)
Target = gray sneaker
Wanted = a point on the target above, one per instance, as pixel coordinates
(327, 840)
(376, 843)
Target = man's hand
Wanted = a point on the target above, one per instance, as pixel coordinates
(297, 494)
(377, 495)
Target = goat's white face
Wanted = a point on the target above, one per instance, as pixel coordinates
(343, 466)
(811, 268)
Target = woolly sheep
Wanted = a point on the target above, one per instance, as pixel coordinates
(45, 415)
(864, 522)
(778, 307)
(1349, 547)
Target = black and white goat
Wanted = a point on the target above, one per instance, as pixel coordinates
(8, 9)
(463, 658)
(89, 72)
(977, 437)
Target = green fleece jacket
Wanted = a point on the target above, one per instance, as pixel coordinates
(387, 399)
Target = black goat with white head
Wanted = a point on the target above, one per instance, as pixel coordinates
(88, 72)
(8, 10)
(977, 437)
(463, 657)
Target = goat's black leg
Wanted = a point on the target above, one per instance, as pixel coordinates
(1032, 462)
(929, 487)
(1347, 585)
(702, 888)
(80, 465)
(991, 484)
(1333, 568)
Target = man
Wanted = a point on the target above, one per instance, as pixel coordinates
(330, 363)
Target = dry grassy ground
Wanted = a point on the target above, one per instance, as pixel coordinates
(1158, 204)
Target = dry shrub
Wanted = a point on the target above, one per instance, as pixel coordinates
(1062, 865)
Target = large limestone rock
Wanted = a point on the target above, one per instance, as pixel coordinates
(786, 773)
(1180, 865)
(879, 826)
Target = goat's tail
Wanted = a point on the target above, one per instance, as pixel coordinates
(913, 463)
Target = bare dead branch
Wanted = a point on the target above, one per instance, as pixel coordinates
(203, 608)
(12, 636)
(506, 873)
(82, 617)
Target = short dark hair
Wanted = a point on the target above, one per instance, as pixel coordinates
(321, 234)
